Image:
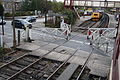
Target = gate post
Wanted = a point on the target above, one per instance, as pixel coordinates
(1, 41)
(27, 34)
(18, 37)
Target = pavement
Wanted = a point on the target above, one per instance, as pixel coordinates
(113, 22)
(99, 62)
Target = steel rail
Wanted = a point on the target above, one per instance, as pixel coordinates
(12, 61)
(10, 53)
(85, 64)
(13, 76)
(89, 27)
(86, 26)
(104, 21)
(16, 74)
(62, 65)
(85, 23)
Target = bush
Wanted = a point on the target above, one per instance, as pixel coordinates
(27, 13)
(8, 14)
(20, 14)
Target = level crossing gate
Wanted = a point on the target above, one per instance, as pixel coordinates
(63, 32)
(102, 38)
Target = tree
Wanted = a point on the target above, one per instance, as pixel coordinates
(70, 16)
(40, 5)
(26, 5)
(34, 5)
(1, 9)
(57, 7)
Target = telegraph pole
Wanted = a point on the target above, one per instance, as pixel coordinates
(45, 12)
(1, 14)
(13, 16)
(2, 24)
(37, 5)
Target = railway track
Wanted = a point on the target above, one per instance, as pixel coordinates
(21, 65)
(84, 26)
(15, 66)
(12, 55)
(60, 69)
(11, 70)
(29, 67)
(71, 72)
(102, 23)
(87, 23)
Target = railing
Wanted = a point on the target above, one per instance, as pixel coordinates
(55, 32)
(63, 32)
(115, 64)
(4, 41)
(1, 40)
(93, 3)
(102, 38)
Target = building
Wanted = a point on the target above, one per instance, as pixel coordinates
(7, 4)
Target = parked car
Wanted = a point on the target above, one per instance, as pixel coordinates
(31, 19)
(4, 22)
(21, 23)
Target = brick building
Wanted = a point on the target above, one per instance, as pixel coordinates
(8, 5)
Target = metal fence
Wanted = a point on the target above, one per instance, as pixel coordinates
(102, 38)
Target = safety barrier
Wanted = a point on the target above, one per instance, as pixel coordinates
(1, 40)
(102, 38)
(62, 32)
(4, 41)
(55, 32)
(45, 33)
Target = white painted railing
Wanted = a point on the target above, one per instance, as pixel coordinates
(102, 37)
(55, 32)
(63, 32)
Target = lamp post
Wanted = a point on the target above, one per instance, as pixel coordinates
(1, 14)
(13, 16)
(36, 4)
(45, 13)
(2, 25)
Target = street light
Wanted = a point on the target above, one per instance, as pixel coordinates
(13, 16)
(45, 13)
(1, 14)
(37, 5)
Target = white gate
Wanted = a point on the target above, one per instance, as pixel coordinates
(62, 32)
(1, 40)
(102, 38)
(52, 33)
